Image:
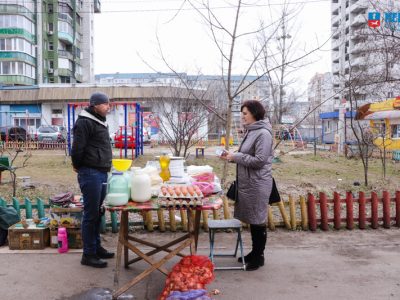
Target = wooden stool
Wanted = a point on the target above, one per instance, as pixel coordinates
(199, 151)
(233, 224)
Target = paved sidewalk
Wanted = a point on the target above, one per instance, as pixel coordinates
(299, 265)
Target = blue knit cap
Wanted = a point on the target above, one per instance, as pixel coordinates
(98, 98)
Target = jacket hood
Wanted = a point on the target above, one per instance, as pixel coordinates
(259, 125)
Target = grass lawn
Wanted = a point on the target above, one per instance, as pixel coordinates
(50, 173)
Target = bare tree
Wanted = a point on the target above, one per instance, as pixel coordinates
(280, 47)
(229, 37)
(12, 168)
(182, 119)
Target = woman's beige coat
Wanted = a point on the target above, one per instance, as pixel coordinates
(254, 178)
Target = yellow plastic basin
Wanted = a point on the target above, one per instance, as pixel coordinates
(122, 164)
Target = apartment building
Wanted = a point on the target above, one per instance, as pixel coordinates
(320, 93)
(48, 41)
(364, 55)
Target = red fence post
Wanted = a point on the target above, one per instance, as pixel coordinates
(312, 219)
(349, 211)
(361, 211)
(374, 210)
(336, 210)
(397, 208)
(323, 203)
(386, 209)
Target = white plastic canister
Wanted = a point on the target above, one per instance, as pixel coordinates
(141, 186)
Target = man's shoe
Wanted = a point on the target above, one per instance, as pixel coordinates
(255, 263)
(104, 254)
(93, 260)
(247, 257)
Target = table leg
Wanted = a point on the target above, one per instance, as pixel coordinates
(196, 229)
(191, 231)
(125, 235)
(123, 223)
(147, 272)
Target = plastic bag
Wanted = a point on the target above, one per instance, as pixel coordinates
(189, 295)
(191, 273)
(204, 177)
(207, 188)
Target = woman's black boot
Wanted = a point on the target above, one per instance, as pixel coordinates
(250, 255)
(259, 232)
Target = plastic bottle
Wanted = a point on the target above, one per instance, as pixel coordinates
(164, 165)
(62, 240)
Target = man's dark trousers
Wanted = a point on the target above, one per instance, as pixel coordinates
(93, 186)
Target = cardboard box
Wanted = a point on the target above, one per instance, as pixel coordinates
(30, 238)
(66, 217)
(74, 238)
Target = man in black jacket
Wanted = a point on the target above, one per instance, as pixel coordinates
(91, 159)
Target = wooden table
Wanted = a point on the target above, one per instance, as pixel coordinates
(125, 240)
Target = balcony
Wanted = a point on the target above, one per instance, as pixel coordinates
(65, 37)
(359, 20)
(335, 33)
(335, 21)
(359, 6)
(335, 56)
(335, 69)
(16, 80)
(64, 53)
(358, 48)
(358, 62)
(97, 6)
(335, 44)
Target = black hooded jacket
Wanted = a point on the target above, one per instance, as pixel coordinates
(91, 146)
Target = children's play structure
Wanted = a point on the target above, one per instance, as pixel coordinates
(137, 126)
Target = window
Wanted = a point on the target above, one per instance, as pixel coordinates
(56, 111)
(50, 8)
(51, 46)
(395, 131)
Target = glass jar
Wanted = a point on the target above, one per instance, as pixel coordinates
(140, 186)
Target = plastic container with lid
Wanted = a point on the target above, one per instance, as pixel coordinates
(62, 240)
(140, 186)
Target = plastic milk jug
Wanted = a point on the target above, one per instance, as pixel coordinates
(62, 240)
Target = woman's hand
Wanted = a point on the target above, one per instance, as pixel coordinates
(227, 156)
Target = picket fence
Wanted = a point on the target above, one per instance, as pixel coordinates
(306, 213)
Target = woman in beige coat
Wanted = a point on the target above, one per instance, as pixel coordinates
(254, 179)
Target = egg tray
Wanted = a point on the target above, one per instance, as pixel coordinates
(188, 196)
(180, 202)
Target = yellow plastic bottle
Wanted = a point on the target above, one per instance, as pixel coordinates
(164, 164)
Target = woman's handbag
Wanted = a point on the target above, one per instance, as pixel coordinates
(274, 197)
(231, 194)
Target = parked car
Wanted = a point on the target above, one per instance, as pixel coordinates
(14, 134)
(119, 139)
(51, 133)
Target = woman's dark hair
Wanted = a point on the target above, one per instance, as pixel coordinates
(255, 108)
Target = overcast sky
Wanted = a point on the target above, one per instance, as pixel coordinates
(126, 34)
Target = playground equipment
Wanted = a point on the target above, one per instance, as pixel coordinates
(292, 134)
(138, 125)
(384, 122)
